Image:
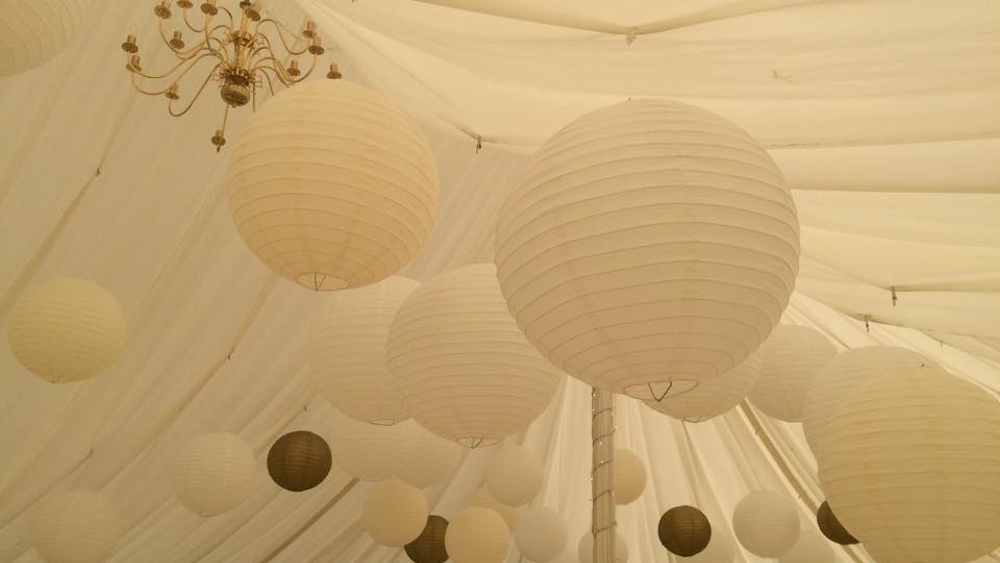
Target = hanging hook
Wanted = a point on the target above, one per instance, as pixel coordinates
(893, 288)
(868, 327)
(630, 38)
(479, 144)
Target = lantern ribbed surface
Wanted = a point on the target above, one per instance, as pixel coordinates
(812, 547)
(911, 466)
(464, 369)
(213, 473)
(585, 549)
(541, 535)
(332, 186)
(630, 476)
(371, 452)
(395, 513)
(650, 245)
(76, 527)
(684, 531)
(429, 546)
(766, 523)
(793, 357)
(66, 329)
(514, 475)
(34, 31)
(347, 350)
(511, 515)
(714, 396)
(299, 461)
(842, 373)
(834, 531)
(477, 535)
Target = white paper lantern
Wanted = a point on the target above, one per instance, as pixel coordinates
(477, 535)
(76, 527)
(649, 246)
(841, 374)
(395, 513)
(370, 451)
(332, 186)
(213, 473)
(432, 459)
(541, 535)
(511, 515)
(464, 369)
(34, 31)
(793, 356)
(347, 350)
(910, 464)
(812, 547)
(714, 396)
(766, 523)
(66, 329)
(720, 547)
(585, 549)
(630, 476)
(514, 475)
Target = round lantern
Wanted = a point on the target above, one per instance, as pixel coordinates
(834, 531)
(214, 473)
(793, 356)
(76, 527)
(477, 535)
(715, 396)
(630, 477)
(395, 513)
(811, 548)
(510, 515)
(514, 475)
(429, 546)
(766, 524)
(585, 549)
(720, 548)
(332, 186)
(347, 350)
(431, 459)
(684, 531)
(66, 329)
(542, 534)
(620, 248)
(841, 374)
(299, 461)
(371, 452)
(464, 369)
(34, 31)
(910, 463)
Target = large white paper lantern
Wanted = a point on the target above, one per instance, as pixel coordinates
(464, 369)
(793, 356)
(76, 527)
(514, 475)
(371, 452)
(511, 515)
(650, 245)
(347, 350)
(585, 549)
(715, 396)
(395, 513)
(477, 535)
(66, 329)
(812, 547)
(541, 535)
(841, 374)
(34, 31)
(332, 186)
(213, 473)
(910, 464)
(766, 523)
(431, 459)
(630, 476)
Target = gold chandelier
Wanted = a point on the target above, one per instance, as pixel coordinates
(245, 57)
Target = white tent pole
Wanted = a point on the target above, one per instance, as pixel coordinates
(602, 477)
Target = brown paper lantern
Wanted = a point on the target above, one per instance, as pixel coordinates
(429, 545)
(831, 527)
(299, 461)
(684, 530)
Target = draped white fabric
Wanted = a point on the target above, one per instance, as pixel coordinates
(884, 115)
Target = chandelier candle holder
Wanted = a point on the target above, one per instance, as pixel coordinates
(247, 49)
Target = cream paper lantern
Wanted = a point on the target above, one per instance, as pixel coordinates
(477, 535)
(541, 535)
(630, 476)
(332, 186)
(347, 350)
(431, 459)
(585, 549)
(812, 547)
(649, 246)
(213, 473)
(395, 513)
(34, 31)
(842, 373)
(910, 464)
(715, 396)
(514, 475)
(66, 329)
(464, 369)
(371, 452)
(76, 527)
(511, 515)
(793, 357)
(766, 523)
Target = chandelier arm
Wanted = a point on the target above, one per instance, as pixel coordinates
(312, 67)
(279, 71)
(170, 106)
(232, 20)
(192, 61)
(270, 85)
(210, 35)
(281, 35)
(187, 22)
(183, 55)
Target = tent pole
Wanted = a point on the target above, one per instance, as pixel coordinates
(602, 477)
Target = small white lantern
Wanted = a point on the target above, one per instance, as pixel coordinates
(766, 523)
(76, 527)
(541, 535)
(34, 31)
(395, 513)
(514, 475)
(431, 460)
(793, 356)
(812, 547)
(477, 535)
(585, 549)
(371, 452)
(510, 514)
(213, 473)
(630, 476)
